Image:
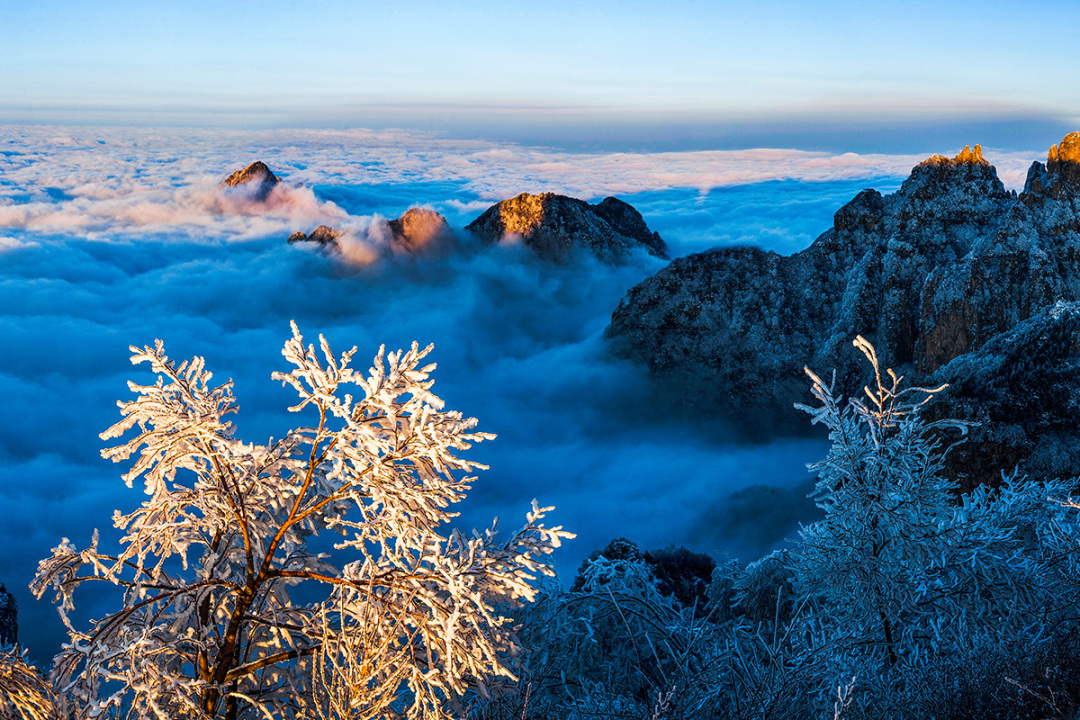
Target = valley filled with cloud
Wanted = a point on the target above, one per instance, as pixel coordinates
(117, 236)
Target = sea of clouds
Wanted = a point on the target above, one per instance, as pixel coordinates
(117, 236)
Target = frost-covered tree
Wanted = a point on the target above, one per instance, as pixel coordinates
(207, 624)
(901, 567)
(887, 507)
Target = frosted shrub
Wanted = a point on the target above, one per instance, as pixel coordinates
(614, 648)
(207, 627)
(992, 679)
(619, 628)
(941, 605)
(763, 593)
(901, 570)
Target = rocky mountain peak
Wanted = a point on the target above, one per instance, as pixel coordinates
(1052, 192)
(968, 173)
(1068, 150)
(554, 226)
(323, 235)
(945, 205)
(929, 274)
(1063, 167)
(418, 228)
(625, 218)
(256, 176)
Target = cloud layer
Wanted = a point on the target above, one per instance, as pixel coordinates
(109, 181)
(111, 237)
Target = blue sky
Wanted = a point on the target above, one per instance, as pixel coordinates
(708, 73)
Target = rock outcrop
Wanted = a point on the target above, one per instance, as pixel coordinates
(1030, 260)
(556, 226)
(324, 235)
(1023, 388)
(418, 229)
(256, 178)
(928, 274)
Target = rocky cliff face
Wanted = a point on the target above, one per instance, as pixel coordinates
(555, 226)
(927, 274)
(1023, 388)
(256, 177)
(1029, 260)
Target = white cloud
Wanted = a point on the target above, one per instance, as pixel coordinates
(9, 244)
(121, 181)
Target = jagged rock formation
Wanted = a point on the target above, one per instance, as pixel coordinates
(256, 176)
(1031, 260)
(927, 274)
(9, 621)
(554, 226)
(1023, 388)
(324, 235)
(418, 229)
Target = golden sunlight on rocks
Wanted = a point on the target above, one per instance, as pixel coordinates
(1067, 151)
(417, 228)
(967, 155)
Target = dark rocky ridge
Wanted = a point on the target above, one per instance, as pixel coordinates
(555, 226)
(927, 274)
(1023, 388)
(257, 176)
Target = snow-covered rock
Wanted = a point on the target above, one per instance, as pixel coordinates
(554, 226)
(1023, 388)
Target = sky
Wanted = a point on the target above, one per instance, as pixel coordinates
(577, 73)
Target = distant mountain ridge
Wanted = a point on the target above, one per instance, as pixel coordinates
(934, 271)
(554, 226)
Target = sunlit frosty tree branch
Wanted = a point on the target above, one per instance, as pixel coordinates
(24, 695)
(207, 627)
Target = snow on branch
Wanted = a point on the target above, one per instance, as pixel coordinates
(206, 625)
